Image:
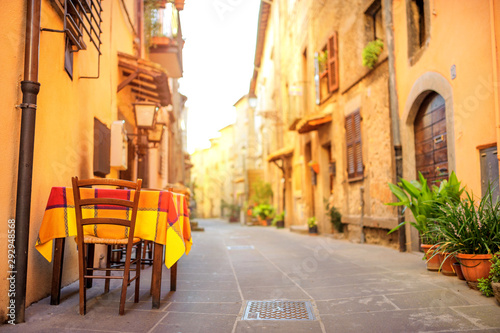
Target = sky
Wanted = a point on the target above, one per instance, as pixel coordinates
(218, 61)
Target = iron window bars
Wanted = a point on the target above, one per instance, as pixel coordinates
(79, 16)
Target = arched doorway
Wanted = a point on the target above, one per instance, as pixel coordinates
(431, 144)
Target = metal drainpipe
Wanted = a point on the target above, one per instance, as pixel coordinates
(394, 109)
(30, 88)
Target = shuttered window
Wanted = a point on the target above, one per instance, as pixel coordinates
(333, 68)
(353, 142)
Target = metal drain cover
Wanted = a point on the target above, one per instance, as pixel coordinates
(278, 310)
(240, 247)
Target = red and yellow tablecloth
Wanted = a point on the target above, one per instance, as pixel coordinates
(163, 217)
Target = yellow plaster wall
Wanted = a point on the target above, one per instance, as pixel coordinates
(64, 124)
(11, 69)
(460, 35)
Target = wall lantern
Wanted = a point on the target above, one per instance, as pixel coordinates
(156, 134)
(252, 100)
(145, 114)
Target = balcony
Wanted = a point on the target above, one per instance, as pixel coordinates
(166, 43)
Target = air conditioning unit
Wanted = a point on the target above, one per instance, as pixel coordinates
(119, 145)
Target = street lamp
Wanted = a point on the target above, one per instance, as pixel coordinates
(145, 115)
(156, 134)
(252, 100)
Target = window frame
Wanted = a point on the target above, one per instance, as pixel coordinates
(353, 124)
(331, 73)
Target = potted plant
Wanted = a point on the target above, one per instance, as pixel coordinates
(471, 230)
(371, 52)
(263, 212)
(312, 223)
(335, 217)
(279, 220)
(424, 202)
(490, 286)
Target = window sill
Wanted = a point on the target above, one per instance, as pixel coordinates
(355, 179)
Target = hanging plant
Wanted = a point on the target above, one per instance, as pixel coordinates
(371, 52)
(151, 24)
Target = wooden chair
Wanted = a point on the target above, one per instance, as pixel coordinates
(86, 242)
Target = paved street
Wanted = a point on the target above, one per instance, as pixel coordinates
(350, 287)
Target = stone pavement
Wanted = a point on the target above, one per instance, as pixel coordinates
(351, 288)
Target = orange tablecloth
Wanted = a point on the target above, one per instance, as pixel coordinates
(163, 217)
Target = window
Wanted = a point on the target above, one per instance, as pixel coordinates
(326, 67)
(374, 17)
(79, 17)
(418, 25)
(102, 146)
(353, 142)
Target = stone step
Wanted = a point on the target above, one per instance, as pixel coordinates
(302, 229)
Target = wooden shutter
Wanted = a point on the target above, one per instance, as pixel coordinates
(333, 68)
(353, 142)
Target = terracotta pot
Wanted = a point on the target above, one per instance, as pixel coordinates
(433, 262)
(446, 264)
(496, 290)
(475, 266)
(179, 4)
(458, 270)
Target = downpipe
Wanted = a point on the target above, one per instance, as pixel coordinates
(30, 88)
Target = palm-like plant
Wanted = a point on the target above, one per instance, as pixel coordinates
(424, 202)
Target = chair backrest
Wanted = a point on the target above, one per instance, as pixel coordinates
(108, 202)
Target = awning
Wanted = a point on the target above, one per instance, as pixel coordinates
(239, 180)
(147, 80)
(313, 122)
(280, 154)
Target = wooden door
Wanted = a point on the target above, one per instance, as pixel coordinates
(431, 148)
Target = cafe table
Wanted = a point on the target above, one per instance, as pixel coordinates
(162, 217)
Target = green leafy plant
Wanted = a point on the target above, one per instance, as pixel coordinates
(322, 61)
(262, 193)
(484, 284)
(278, 217)
(468, 226)
(312, 222)
(264, 211)
(371, 52)
(335, 216)
(424, 203)
(151, 24)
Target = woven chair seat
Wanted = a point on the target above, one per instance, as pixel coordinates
(88, 239)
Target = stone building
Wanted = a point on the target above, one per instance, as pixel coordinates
(333, 112)
(446, 73)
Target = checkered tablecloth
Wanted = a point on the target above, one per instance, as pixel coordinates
(163, 217)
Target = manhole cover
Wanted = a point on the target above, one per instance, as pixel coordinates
(240, 247)
(278, 310)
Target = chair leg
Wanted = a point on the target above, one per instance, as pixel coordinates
(138, 267)
(81, 272)
(90, 263)
(125, 282)
(108, 265)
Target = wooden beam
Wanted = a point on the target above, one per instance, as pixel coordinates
(129, 79)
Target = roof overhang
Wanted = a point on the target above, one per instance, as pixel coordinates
(264, 12)
(239, 180)
(312, 123)
(280, 154)
(147, 80)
